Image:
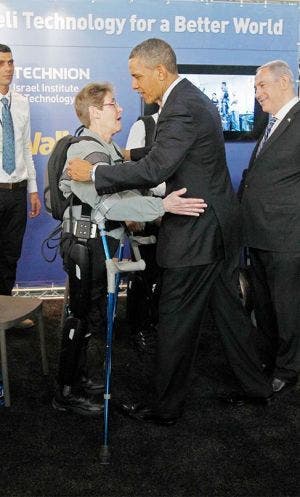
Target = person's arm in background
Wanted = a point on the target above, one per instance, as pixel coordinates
(35, 204)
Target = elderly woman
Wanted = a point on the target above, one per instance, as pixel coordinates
(81, 246)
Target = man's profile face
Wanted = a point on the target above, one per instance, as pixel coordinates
(6, 69)
(145, 80)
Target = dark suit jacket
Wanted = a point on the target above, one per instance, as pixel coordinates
(188, 151)
(271, 190)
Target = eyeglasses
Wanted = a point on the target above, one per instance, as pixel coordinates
(113, 103)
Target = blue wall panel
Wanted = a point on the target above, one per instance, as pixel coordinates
(61, 46)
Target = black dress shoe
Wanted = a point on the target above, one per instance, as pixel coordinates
(143, 413)
(242, 399)
(278, 385)
(90, 386)
(79, 403)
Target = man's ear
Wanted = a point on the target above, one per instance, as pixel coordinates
(284, 81)
(161, 72)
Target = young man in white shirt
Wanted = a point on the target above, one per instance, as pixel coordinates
(16, 180)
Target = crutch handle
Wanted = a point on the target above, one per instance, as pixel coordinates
(140, 240)
(143, 240)
(125, 266)
(114, 267)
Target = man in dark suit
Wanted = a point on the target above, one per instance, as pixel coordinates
(271, 211)
(198, 255)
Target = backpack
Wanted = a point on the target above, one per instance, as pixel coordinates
(54, 200)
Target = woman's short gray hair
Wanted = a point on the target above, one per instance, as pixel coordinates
(91, 94)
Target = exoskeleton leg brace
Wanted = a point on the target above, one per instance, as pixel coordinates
(74, 334)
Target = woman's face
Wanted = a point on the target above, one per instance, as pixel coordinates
(109, 116)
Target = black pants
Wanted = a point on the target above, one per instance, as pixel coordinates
(185, 296)
(88, 292)
(13, 216)
(143, 287)
(276, 291)
(88, 304)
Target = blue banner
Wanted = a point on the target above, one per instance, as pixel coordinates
(59, 47)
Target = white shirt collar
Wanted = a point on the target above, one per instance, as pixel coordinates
(286, 108)
(7, 95)
(168, 91)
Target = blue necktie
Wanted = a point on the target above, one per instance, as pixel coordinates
(8, 156)
(266, 134)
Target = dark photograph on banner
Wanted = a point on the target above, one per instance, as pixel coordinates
(231, 89)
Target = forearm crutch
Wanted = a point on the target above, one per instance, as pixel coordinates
(113, 270)
(136, 240)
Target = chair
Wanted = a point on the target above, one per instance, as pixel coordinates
(13, 310)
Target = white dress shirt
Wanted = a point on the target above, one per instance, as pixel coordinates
(280, 115)
(19, 108)
(168, 91)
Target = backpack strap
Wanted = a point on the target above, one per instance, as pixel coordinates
(92, 158)
(121, 158)
(95, 157)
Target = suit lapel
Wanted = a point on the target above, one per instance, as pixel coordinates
(253, 155)
(170, 99)
(285, 123)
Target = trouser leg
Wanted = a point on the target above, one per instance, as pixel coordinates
(234, 324)
(13, 216)
(182, 307)
(73, 345)
(76, 390)
(75, 335)
(142, 294)
(282, 279)
(262, 282)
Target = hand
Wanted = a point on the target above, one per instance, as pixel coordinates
(126, 154)
(79, 170)
(177, 204)
(134, 226)
(35, 205)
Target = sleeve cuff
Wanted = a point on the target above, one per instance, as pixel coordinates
(93, 171)
(138, 153)
(32, 186)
